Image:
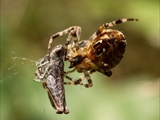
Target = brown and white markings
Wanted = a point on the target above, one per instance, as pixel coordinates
(101, 52)
(51, 73)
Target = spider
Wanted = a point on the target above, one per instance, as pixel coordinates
(101, 52)
(50, 72)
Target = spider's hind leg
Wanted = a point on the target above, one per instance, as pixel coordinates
(102, 28)
(119, 21)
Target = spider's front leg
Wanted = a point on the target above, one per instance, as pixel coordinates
(73, 34)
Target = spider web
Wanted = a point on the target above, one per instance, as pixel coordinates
(12, 64)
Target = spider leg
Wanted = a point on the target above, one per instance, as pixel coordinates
(119, 21)
(80, 79)
(70, 71)
(110, 24)
(74, 81)
(87, 76)
(74, 35)
(58, 34)
(74, 32)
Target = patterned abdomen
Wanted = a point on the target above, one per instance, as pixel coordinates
(108, 49)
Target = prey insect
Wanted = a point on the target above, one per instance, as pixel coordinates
(51, 73)
(101, 52)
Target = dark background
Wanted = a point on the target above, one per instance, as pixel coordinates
(131, 93)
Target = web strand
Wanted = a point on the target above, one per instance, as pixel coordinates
(17, 62)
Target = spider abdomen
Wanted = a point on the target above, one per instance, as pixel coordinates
(108, 49)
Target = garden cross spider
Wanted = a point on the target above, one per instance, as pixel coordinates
(101, 52)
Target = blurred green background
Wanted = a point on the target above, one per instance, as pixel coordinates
(131, 93)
